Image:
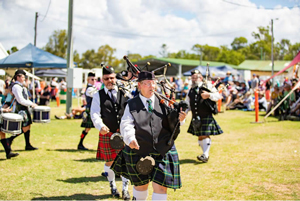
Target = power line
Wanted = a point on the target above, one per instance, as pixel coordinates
(46, 11)
(256, 7)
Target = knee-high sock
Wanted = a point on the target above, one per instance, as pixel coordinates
(27, 138)
(200, 142)
(83, 134)
(206, 146)
(156, 196)
(10, 140)
(5, 146)
(125, 183)
(140, 195)
(110, 176)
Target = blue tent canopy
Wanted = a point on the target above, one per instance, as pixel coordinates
(33, 57)
(215, 71)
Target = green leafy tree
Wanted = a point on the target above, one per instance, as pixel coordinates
(12, 50)
(58, 43)
(239, 43)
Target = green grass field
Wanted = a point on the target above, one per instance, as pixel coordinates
(250, 161)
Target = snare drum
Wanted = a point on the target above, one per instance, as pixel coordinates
(11, 123)
(41, 114)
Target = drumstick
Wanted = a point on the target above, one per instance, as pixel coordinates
(12, 103)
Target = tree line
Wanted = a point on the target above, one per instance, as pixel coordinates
(239, 51)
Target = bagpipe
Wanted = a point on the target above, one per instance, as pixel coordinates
(167, 100)
(212, 105)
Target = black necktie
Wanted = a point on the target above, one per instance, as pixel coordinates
(112, 95)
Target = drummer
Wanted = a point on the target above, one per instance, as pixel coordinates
(4, 141)
(106, 111)
(23, 103)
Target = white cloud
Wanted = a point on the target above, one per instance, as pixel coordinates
(140, 26)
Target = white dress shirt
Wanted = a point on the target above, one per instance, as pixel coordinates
(127, 122)
(214, 94)
(17, 91)
(96, 108)
(91, 91)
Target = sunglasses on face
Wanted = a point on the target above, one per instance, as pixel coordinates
(108, 78)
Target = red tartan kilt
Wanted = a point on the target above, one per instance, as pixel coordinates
(104, 151)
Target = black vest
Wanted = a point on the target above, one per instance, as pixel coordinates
(111, 113)
(25, 96)
(198, 107)
(87, 98)
(150, 128)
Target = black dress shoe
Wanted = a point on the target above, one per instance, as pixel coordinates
(115, 192)
(10, 155)
(81, 147)
(125, 195)
(30, 148)
(203, 158)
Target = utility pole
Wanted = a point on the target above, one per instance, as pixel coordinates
(35, 33)
(272, 56)
(70, 56)
(35, 27)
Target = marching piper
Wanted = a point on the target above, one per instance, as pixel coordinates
(106, 111)
(87, 123)
(149, 154)
(203, 123)
(22, 107)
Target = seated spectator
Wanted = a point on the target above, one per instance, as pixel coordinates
(8, 97)
(274, 100)
(262, 101)
(185, 90)
(77, 113)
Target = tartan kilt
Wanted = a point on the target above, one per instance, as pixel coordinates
(209, 127)
(104, 151)
(166, 171)
(86, 120)
(26, 121)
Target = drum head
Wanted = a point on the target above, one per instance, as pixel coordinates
(12, 116)
(145, 165)
(116, 141)
(41, 108)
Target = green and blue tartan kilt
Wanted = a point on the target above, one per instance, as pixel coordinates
(86, 120)
(104, 151)
(26, 121)
(166, 171)
(209, 127)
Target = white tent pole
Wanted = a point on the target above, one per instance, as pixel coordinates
(33, 88)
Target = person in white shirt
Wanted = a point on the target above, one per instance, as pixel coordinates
(23, 103)
(148, 155)
(106, 111)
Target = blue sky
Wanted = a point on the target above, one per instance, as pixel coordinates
(272, 3)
